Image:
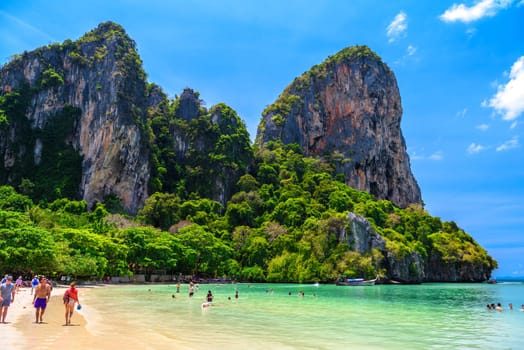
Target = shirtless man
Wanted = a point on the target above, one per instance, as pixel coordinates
(41, 298)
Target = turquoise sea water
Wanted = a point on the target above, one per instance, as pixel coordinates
(427, 316)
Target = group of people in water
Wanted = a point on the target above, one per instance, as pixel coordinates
(499, 307)
(208, 301)
(195, 286)
(41, 289)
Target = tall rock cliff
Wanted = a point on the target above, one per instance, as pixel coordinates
(94, 91)
(211, 147)
(348, 110)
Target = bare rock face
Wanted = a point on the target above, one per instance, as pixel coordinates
(101, 76)
(361, 237)
(348, 110)
(440, 270)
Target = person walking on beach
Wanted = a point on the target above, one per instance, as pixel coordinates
(41, 298)
(34, 283)
(7, 293)
(19, 282)
(70, 298)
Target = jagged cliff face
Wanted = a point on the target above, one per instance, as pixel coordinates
(348, 109)
(212, 146)
(101, 75)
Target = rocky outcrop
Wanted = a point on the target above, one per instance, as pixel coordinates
(348, 110)
(101, 75)
(215, 142)
(411, 266)
(439, 270)
(405, 269)
(360, 236)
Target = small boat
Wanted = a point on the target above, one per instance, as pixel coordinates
(355, 282)
(492, 281)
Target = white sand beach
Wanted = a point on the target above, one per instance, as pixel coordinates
(87, 330)
(21, 329)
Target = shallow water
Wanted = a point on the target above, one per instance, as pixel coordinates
(428, 316)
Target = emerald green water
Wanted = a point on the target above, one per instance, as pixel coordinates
(428, 316)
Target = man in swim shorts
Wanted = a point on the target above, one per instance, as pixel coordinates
(41, 298)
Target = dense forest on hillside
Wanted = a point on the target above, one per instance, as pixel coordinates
(283, 225)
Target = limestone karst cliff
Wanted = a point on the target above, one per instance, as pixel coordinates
(348, 110)
(79, 121)
(101, 78)
(212, 148)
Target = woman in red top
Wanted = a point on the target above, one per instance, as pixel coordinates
(70, 298)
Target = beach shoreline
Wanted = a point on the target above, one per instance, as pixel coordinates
(88, 329)
(155, 316)
(22, 330)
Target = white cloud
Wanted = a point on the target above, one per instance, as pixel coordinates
(410, 55)
(26, 27)
(481, 9)
(415, 156)
(514, 125)
(438, 155)
(471, 31)
(510, 144)
(462, 113)
(509, 99)
(482, 127)
(397, 27)
(411, 50)
(474, 148)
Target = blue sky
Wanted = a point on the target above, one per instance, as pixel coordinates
(459, 66)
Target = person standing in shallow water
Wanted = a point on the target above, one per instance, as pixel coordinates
(209, 296)
(41, 298)
(70, 298)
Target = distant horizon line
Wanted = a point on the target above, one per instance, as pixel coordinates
(519, 277)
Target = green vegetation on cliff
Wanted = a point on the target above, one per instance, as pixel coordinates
(283, 225)
(191, 153)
